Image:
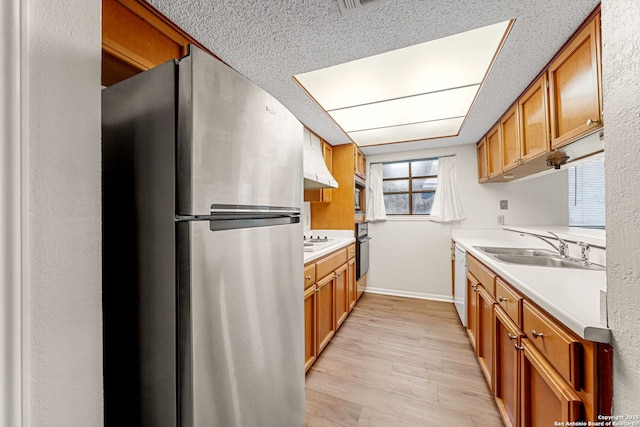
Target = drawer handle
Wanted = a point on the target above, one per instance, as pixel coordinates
(592, 122)
(512, 337)
(307, 277)
(519, 347)
(537, 334)
(502, 299)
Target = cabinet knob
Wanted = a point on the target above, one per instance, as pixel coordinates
(307, 277)
(592, 122)
(502, 299)
(537, 334)
(512, 337)
(519, 347)
(516, 160)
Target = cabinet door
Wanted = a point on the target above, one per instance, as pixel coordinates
(309, 275)
(574, 87)
(472, 309)
(546, 398)
(484, 336)
(483, 175)
(351, 283)
(494, 162)
(359, 163)
(310, 331)
(511, 156)
(326, 308)
(342, 295)
(534, 120)
(506, 386)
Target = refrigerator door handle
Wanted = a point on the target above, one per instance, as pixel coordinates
(248, 221)
(252, 210)
(232, 217)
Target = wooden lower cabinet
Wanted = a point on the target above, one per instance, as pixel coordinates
(485, 336)
(351, 283)
(326, 318)
(539, 371)
(342, 295)
(546, 398)
(310, 330)
(472, 309)
(506, 383)
(330, 294)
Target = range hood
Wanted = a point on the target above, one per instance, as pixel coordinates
(316, 174)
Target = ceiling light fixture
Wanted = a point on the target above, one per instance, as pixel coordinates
(419, 92)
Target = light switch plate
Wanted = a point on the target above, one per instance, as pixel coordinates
(504, 204)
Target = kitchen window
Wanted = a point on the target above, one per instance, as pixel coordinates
(587, 195)
(409, 186)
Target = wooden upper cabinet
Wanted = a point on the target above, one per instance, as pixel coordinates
(510, 144)
(482, 160)
(136, 37)
(575, 87)
(494, 142)
(359, 163)
(533, 108)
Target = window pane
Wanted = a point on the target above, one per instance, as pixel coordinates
(395, 170)
(587, 195)
(396, 186)
(424, 167)
(422, 203)
(422, 184)
(397, 204)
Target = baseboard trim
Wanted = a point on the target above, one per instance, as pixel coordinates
(408, 294)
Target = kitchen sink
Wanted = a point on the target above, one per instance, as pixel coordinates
(517, 251)
(536, 257)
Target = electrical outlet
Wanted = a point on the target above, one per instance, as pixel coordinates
(500, 219)
(504, 204)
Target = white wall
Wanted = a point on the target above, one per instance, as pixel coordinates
(621, 82)
(412, 257)
(62, 315)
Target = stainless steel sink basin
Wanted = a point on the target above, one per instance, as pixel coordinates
(546, 261)
(517, 251)
(535, 257)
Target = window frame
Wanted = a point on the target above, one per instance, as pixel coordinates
(410, 190)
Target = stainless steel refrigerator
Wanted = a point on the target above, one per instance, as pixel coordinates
(202, 250)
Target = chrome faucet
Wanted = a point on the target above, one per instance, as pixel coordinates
(562, 248)
(584, 252)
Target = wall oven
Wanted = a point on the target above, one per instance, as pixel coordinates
(362, 249)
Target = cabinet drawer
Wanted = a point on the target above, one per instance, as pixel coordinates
(485, 276)
(561, 349)
(331, 262)
(351, 251)
(510, 301)
(309, 275)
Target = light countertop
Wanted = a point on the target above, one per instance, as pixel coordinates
(572, 296)
(343, 238)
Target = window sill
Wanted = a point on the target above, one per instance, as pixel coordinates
(408, 218)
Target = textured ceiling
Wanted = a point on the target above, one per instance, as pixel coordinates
(269, 41)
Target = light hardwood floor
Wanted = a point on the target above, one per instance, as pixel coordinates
(399, 362)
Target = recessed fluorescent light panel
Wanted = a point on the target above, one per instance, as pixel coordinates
(418, 92)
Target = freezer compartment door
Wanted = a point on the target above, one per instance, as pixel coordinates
(237, 145)
(241, 325)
